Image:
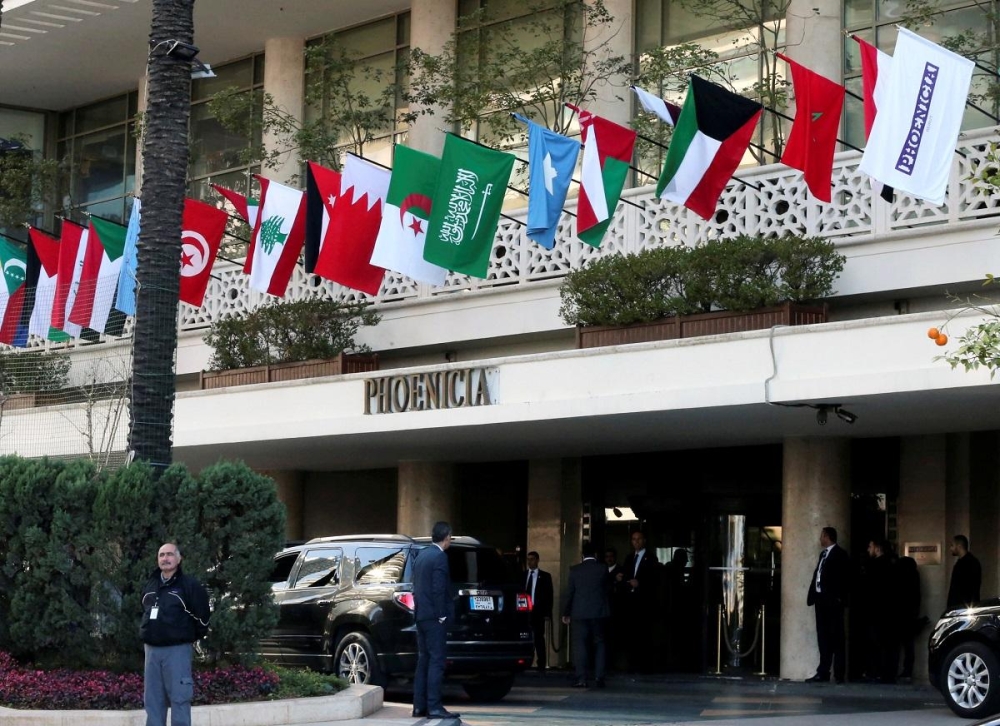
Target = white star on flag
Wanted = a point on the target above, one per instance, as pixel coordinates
(550, 172)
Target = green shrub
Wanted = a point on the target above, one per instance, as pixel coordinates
(305, 683)
(32, 371)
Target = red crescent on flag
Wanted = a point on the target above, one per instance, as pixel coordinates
(419, 201)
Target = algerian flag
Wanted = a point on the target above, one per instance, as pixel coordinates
(47, 251)
(14, 264)
(400, 243)
(709, 141)
(466, 206)
(102, 264)
(278, 236)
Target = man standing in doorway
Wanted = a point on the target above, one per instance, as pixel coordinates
(586, 607)
(638, 582)
(434, 609)
(175, 616)
(966, 576)
(828, 594)
(538, 584)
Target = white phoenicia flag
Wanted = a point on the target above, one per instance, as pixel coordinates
(914, 135)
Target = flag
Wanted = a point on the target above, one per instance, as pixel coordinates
(712, 134)
(125, 299)
(202, 229)
(14, 266)
(102, 263)
(354, 223)
(245, 207)
(466, 205)
(916, 129)
(46, 250)
(813, 138)
(32, 271)
(72, 247)
(277, 237)
(322, 190)
(875, 66)
(667, 112)
(607, 153)
(401, 235)
(551, 162)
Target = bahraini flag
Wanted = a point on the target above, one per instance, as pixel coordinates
(711, 136)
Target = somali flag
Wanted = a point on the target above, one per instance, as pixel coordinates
(551, 161)
(125, 302)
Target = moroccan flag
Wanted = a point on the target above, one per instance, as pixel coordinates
(551, 162)
(813, 138)
(607, 153)
(875, 66)
(322, 190)
(914, 135)
(14, 265)
(465, 209)
(245, 207)
(400, 243)
(711, 136)
(277, 237)
(102, 264)
(46, 249)
(125, 298)
(354, 224)
(202, 228)
(667, 112)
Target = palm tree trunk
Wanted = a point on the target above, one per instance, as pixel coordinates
(164, 163)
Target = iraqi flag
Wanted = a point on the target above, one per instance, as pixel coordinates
(102, 264)
(400, 243)
(709, 141)
(322, 190)
(277, 237)
(813, 138)
(666, 111)
(202, 229)
(14, 266)
(72, 247)
(354, 226)
(607, 153)
(46, 250)
(915, 132)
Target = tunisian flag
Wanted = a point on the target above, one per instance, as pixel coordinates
(203, 226)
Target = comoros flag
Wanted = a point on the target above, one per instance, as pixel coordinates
(13, 263)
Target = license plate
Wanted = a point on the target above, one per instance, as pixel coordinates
(480, 602)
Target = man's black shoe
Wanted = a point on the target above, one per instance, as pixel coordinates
(443, 714)
(417, 713)
(580, 684)
(818, 679)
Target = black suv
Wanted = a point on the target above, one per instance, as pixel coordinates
(964, 659)
(346, 606)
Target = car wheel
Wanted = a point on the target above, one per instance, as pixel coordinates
(969, 680)
(355, 661)
(489, 691)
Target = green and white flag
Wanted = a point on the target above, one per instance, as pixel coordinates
(14, 268)
(466, 206)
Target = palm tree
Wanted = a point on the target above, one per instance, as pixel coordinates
(164, 163)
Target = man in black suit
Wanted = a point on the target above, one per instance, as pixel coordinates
(638, 581)
(586, 606)
(433, 610)
(538, 584)
(828, 594)
(966, 576)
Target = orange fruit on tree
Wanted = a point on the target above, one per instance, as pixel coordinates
(942, 339)
(933, 333)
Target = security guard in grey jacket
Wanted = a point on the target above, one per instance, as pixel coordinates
(175, 616)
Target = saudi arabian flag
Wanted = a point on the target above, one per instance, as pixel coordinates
(710, 138)
(400, 243)
(465, 209)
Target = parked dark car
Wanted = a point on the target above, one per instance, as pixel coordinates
(346, 607)
(964, 659)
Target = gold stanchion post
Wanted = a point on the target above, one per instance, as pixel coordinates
(718, 643)
(763, 642)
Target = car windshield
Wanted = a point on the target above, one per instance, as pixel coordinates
(479, 565)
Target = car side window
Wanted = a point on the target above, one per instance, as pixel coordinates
(379, 565)
(282, 569)
(319, 568)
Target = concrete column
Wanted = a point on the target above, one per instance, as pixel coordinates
(432, 24)
(816, 493)
(984, 517)
(554, 513)
(291, 493)
(813, 36)
(609, 102)
(426, 494)
(143, 84)
(284, 81)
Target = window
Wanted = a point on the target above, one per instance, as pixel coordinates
(282, 569)
(379, 565)
(479, 565)
(320, 568)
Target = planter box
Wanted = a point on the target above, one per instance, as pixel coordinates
(691, 326)
(289, 371)
(19, 400)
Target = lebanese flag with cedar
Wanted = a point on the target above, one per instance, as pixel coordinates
(322, 190)
(203, 227)
(277, 237)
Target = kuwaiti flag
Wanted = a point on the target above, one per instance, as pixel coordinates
(46, 249)
(14, 265)
(246, 208)
(322, 190)
(813, 138)
(125, 299)
(72, 248)
(666, 111)
(102, 265)
(607, 153)
(354, 225)
(711, 136)
(202, 228)
(400, 243)
(916, 129)
(277, 238)
(551, 162)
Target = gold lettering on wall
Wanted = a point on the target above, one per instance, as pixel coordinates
(433, 391)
